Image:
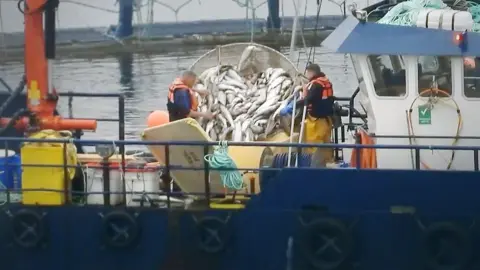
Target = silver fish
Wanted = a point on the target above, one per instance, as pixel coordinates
(238, 85)
(230, 96)
(246, 125)
(246, 101)
(224, 86)
(224, 134)
(208, 73)
(277, 83)
(277, 72)
(213, 135)
(227, 114)
(222, 120)
(237, 133)
(234, 75)
(246, 57)
(222, 98)
(209, 127)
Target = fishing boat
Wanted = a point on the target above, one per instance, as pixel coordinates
(399, 205)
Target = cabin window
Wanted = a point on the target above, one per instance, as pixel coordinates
(434, 72)
(471, 82)
(388, 73)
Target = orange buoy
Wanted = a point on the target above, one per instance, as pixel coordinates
(157, 118)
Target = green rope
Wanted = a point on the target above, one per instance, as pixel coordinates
(221, 160)
(406, 13)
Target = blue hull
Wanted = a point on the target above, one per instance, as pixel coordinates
(257, 237)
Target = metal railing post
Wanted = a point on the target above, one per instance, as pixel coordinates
(6, 173)
(167, 172)
(121, 136)
(475, 159)
(66, 176)
(417, 159)
(206, 175)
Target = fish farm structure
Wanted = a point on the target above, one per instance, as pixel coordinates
(156, 36)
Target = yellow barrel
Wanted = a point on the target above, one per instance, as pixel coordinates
(250, 156)
(43, 176)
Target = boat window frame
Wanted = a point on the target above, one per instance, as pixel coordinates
(452, 77)
(372, 75)
(462, 75)
(359, 76)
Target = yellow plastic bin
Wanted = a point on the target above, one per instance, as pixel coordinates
(44, 176)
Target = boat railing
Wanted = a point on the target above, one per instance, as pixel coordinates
(121, 108)
(168, 167)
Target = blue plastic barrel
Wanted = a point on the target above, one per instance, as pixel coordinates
(10, 169)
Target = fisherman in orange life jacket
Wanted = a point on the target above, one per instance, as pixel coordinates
(182, 102)
(318, 98)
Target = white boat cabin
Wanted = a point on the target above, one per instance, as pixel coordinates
(415, 82)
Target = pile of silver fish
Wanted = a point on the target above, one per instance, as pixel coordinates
(246, 108)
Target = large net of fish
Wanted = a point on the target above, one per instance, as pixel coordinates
(406, 13)
(249, 84)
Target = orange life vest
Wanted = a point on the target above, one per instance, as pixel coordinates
(324, 82)
(324, 106)
(177, 85)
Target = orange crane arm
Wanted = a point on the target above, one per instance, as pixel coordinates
(39, 55)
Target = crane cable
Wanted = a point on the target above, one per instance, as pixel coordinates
(430, 102)
(312, 51)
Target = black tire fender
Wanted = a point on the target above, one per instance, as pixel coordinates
(120, 229)
(326, 243)
(28, 228)
(213, 234)
(447, 246)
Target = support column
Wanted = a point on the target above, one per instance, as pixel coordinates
(125, 19)
(273, 20)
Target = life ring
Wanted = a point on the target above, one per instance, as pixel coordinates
(28, 228)
(326, 243)
(120, 229)
(447, 246)
(212, 234)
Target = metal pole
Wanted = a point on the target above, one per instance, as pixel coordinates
(302, 128)
(297, 7)
(289, 162)
(247, 11)
(252, 24)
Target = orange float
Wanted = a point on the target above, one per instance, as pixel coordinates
(157, 118)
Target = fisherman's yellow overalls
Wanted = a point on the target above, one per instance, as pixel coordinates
(319, 130)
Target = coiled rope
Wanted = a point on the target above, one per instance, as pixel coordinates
(281, 160)
(220, 160)
(433, 99)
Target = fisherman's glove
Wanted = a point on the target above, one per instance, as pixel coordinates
(287, 110)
